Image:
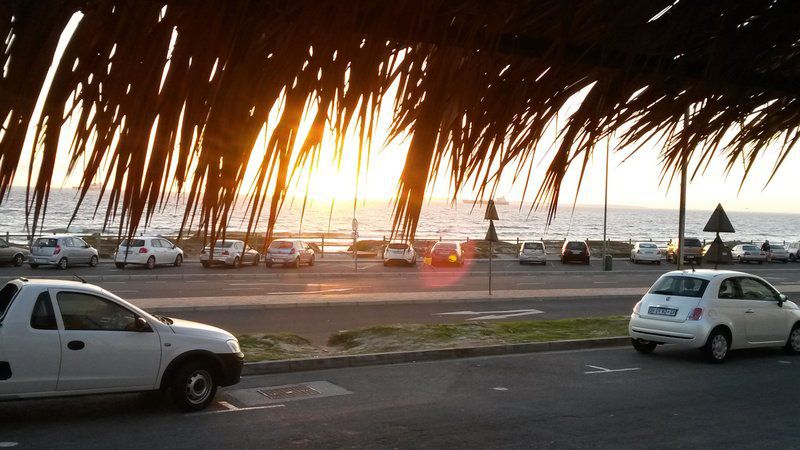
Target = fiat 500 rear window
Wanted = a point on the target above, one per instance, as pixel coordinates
(683, 286)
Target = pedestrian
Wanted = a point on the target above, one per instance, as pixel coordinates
(765, 248)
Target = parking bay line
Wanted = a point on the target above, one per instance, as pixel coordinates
(230, 408)
(604, 370)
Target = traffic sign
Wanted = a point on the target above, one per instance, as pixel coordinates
(719, 222)
(491, 211)
(491, 234)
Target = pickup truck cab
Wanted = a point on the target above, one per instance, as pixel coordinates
(62, 338)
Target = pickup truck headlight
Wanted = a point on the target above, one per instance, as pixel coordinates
(233, 344)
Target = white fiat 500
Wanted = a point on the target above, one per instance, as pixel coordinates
(715, 311)
(60, 338)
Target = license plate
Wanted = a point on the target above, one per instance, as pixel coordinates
(657, 311)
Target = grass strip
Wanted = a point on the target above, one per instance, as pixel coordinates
(395, 338)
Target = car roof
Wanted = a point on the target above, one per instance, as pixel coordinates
(57, 236)
(52, 283)
(709, 274)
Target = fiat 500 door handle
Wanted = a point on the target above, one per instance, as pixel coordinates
(749, 311)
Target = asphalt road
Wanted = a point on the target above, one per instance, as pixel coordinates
(609, 398)
(333, 278)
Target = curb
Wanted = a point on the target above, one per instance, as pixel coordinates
(373, 359)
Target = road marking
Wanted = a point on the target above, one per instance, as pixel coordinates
(321, 291)
(531, 283)
(195, 281)
(784, 362)
(492, 315)
(278, 283)
(605, 282)
(502, 389)
(8, 444)
(231, 408)
(604, 370)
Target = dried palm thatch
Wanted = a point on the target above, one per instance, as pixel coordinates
(478, 83)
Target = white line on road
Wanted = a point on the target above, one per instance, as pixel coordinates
(531, 283)
(280, 284)
(492, 315)
(231, 408)
(196, 281)
(321, 291)
(605, 282)
(604, 370)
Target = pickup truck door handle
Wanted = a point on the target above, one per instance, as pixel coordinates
(75, 345)
(749, 311)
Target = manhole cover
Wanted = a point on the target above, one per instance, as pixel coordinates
(293, 391)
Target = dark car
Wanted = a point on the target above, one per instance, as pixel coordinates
(575, 251)
(447, 253)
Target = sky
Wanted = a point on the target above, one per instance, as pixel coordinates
(636, 182)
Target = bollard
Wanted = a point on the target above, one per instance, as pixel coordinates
(607, 263)
(323, 247)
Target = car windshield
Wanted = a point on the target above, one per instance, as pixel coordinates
(6, 295)
(533, 246)
(683, 286)
(647, 245)
(280, 244)
(692, 242)
(398, 246)
(776, 247)
(46, 242)
(751, 248)
(134, 243)
(575, 245)
(223, 244)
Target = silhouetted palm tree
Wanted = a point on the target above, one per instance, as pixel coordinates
(478, 81)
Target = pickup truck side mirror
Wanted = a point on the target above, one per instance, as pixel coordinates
(141, 324)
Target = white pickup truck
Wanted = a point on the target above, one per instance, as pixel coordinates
(60, 338)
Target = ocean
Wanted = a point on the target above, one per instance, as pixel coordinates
(439, 219)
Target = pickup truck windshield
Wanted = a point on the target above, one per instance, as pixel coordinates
(7, 294)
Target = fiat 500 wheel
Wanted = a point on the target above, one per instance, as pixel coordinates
(717, 346)
(793, 343)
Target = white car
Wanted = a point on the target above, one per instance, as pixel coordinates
(743, 253)
(290, 253)
(148, 252)
(715, 311)
(778, 252)
(62, 338)
(229, 253)
(645, 251)
(532, 252)
(399, 252)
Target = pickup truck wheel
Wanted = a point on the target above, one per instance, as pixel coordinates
(63, 264)
(193, 386)
(93, 261)
(34, 266)
(120, 265)
(151, 263)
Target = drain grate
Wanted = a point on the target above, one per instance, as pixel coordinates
(286, 392)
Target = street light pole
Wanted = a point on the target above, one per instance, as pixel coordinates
(682, 212)
(605, 207)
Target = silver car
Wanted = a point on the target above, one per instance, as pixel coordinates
(748, 253)
(229, 253)
(62, 251)
(777, 252)
(532, 252)
(12, 255)
(714, 311)
(290, 253)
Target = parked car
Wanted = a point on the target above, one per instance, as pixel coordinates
(692, 250)
(62, 251)
(574, 250)
(748, 253)
(148, 252)
(61, 338)
(777, 252)
(10, 254)
(230, 253)
(289, 253)
(446, 253)
(645, 251)
(532, 252)
(402, 252)
(715, 311)
(794, 251)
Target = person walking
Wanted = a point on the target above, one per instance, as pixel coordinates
(765, 249)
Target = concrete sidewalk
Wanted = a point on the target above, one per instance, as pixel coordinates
(278, 300)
